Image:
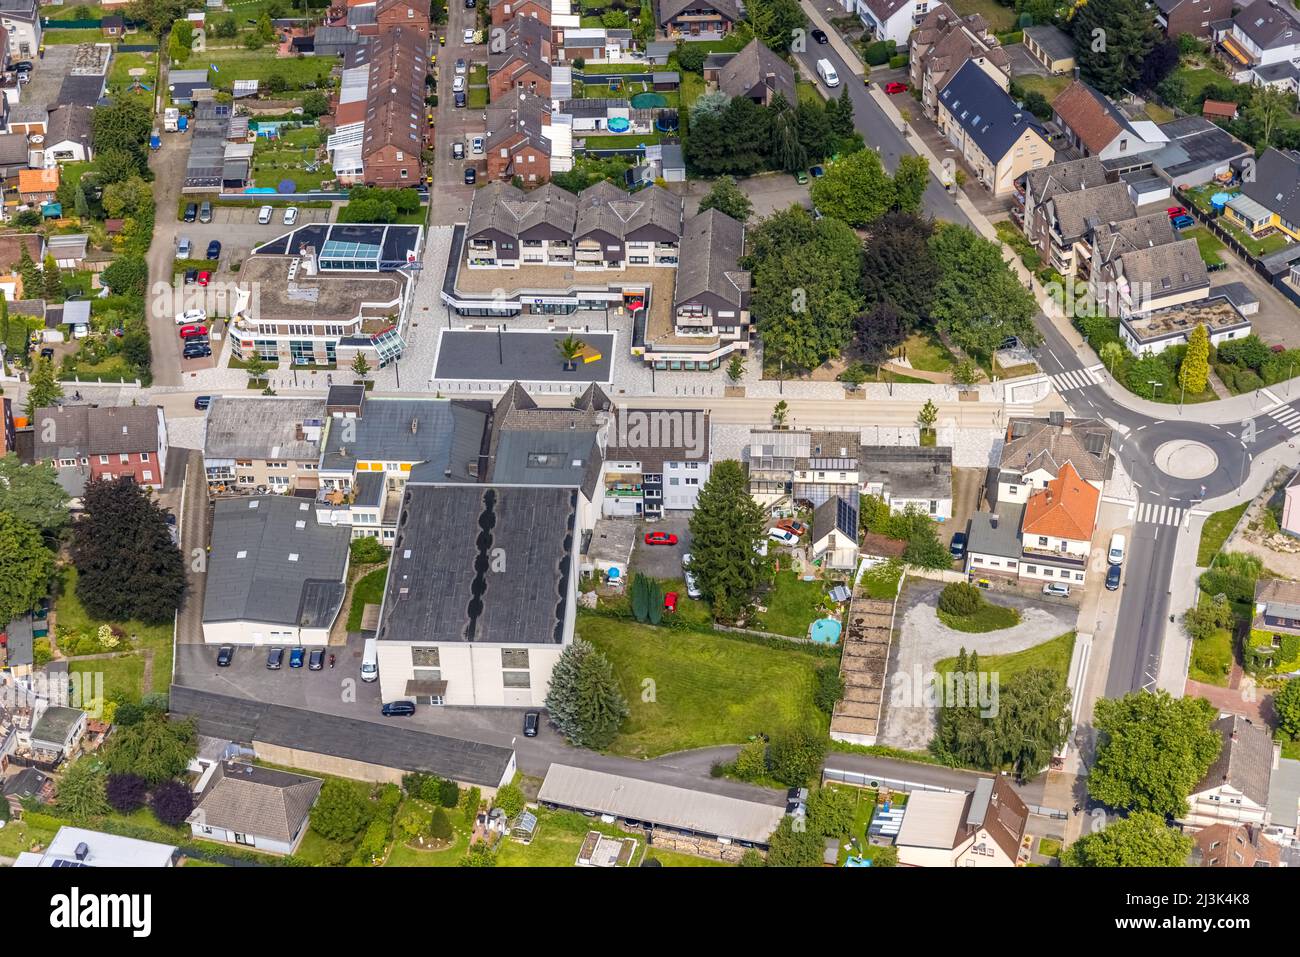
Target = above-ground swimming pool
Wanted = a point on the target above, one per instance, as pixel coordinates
(618, 125)
(646, 101)
(825, 631)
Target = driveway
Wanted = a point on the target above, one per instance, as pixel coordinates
(662, 561)
(909, 721)
(449, 196)
(769, 192)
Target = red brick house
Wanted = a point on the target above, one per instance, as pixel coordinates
(114, 442)
(395, 113)
(1191, 16)
(503, 11)
(697, 18)
(525, 63)
(519, 148)
(402, 13)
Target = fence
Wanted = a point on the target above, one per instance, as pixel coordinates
(876, 782)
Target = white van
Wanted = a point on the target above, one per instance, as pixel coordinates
(370, 660)
(827, 73)
(1116, 554)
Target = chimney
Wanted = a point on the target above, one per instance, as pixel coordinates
(1067, 429)
(1015, 120)
(415, 425)
(82, 851)
(993, 520)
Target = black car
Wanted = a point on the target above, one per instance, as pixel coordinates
(22, 66)
(191, 212)
(201, 402)
(957, 548)
(191, 276)
(470, 4)
(470, 176)
(275, 658)
(316, 660)
(225, 654)
(531, 720)
(820, 36)
(1112, 578)
(47, 353)
(196, 350)
(398, 709)
(214, 249)
(797, 795)
(460, 100)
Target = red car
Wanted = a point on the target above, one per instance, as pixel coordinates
(790, 525)
(660, 538)
(670, 601)
(193, 332)
(895, 88)
(1176, 211)
(205, 277)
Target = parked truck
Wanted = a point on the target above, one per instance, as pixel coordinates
(171, 117)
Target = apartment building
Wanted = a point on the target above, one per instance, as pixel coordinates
(521, 59)
(519, 140)
(942, 44)
(504, 11)
(655, 459)
(260, 444)
(1194, 17)
(1262, 33)
(803, 466)
(1235, 789)
(1035, 451)
(892, 19)
(104, 443)
(395, 124)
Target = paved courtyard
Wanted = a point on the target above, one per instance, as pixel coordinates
(924, 640)
(662, 561)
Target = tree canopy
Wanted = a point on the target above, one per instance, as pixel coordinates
(978, 301)
(32, 494)
(584, 700)
(726, 197)
(1139, 840)
(727, 528)
(26, 567)
(156, 749)
(1112, 39)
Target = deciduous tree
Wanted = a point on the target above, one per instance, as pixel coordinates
(856, 190)
(340, 812)
(32, 494)
(1140, 840)
(1194, 370)
(978, 301)
(726, 197)
(26, 567)
(171, 802)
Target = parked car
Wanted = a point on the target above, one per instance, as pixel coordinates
(22, 66)
(660, 538)
(201, 402)
(316, 660)
(783, 536)
(191, 276)
(670, 601)
(1173, 211)
(205, 277)
(225, 655)
(801, 178)
(458, 151)
(296, 656)
(477, 147)
(196, 349)
(470, 4)
(468, 36)
(532, 720)
(458, 85)
(291, 215)
(214, 249)
(205, 211)
(275, 658)
(1056, 590)
(1112, 577)
(957, 547)
(398, 709)
(817, 171)
(470, 176)
(193, 332)
(1115, 554)
(461, 67)
(692, 586)
(892, 88)
(47, 352)
(820, 36)
(191, 212)
(264, 215)
(459, 100)
(792, 525)
(1216, 266)
(1183, 222)
(183, 248)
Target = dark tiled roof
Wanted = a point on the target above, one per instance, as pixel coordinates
(1276, 185)
(1037, 443)
(712, 244)
(1268, 25)
(671, 8)
(105, 431)
(1245, 764)
(751, 67)
(1079, 212)
(255, 800)
(409, 430)
(669, 442)
(983, 109)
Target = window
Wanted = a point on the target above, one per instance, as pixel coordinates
(516, 679)
(243, 839)
(103, 460)
(144, 456)
(402, 173)
(673, 480)
(1031, 569)
(147, 475)
(427, 657)
(514, 657)
(692, 481)
(1042, 539)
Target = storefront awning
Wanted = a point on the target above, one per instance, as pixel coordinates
(415, 688)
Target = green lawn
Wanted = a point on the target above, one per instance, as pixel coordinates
(1049, 86)
(70, 614)
(478, 75)
(1049, 847)
(620, 141)
(369, 589)
(863, 811)
(65, 37)
(477, 97)
(1212, 658)
(792, 605)
(1256, 247)
(1290, 749)
(1208, 244)
(1197, 80)
(119, 74)
(1000, 18)
(19, 836)
(692, 87)
(1053, 654)
(807, 92)
(881, 581)
(708, 689)
(927, 353)
(989, 617)
(1215, 532)
(298, 73)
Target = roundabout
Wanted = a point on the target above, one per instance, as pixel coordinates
(1186, 459)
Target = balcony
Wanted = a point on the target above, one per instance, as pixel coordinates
(1056, 556)
(624, 490)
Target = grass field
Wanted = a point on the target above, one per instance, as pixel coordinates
(299, 74)
(989, 617)
(708, 689)
(1049, 86)
(1000, 18)
(66, 37)
(1053, 654)
(881, 582)
(807, 92)
(927, 353)
(1197, 80)
(1215, 532)
(792, 605)
(119, 74)
(625, 141)
(369, 589)
(1208, 244)
(1211, 661)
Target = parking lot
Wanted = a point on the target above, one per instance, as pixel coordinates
(662, 561)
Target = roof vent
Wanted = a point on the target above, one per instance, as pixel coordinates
(253, 504)
(993, 520)
(82, 851)
(300, 524)
(293, 556)
(415, 425)
(241, 554)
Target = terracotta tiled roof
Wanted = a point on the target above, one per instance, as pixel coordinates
(1079, 107)
(38, 180)
(1066, 508)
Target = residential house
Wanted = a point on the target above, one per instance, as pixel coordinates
(942, 45)
(1263, 33)
(504, 11)
(1051, 47)
(1096, 127)
(803, 466)
(1035, 450)
(116, 442)
(710, 309)
(587, 115)
(253, 806)
(57, 733)
(11, 257)
(1198, 151)
(979, 828)
(523, 63)
(1235, 788)
(275, 576)
(1056, 530)
(68, 249)
(1194, 17)
(758, 74)
(68, 138)
(7, 436)
(395, 121)
(519, 140)
(910, 477)
(1063, 223)
(15, 156)
(655, 459)
(401, 13)
(1234, 845)
(456, 626)
(833, 542)
(368, 456)
(697, 19)
(1139, 266)
(79, 847)
(36, 187)
(262, 443)
(997, 139)
(593, 45)
(185, 86)
(1275, 625)
(22, 22)
(1270, 201)
(891, 19)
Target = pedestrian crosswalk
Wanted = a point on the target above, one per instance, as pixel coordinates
(1153, 513)
(1074, 379)
(1287, 417)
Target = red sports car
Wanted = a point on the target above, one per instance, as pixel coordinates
(193, 332)
(205, 277)
(670, 601)
(790, 525)
(1176, 211)
(660, 538)
(895, 87)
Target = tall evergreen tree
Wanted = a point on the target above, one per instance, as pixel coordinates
(727, 529)
(839, 110)
(788, 152)
(1112, 38)
(52, 281)
(33, 282)
(584, 701)
(42, 387)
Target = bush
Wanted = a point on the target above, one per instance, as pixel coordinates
(897, 62)
(367, 551)
(751, 761)
(510, 799)
(877, 53)
(796, 756)
(448, 793)
(960, 599)
(830, 687)
(1212, 658)
(172, 802)
(126, 792)
(440, 826)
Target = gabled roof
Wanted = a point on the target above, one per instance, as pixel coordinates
(395, 103)
(712, 244)
(671, 8)
(1066, 508)
(1276, 185)
(1032, 444)
(1079, 212)
(985, 112)
(249, 799)
(1089, 114)
(604, 207)
(1168, 269)
(884, 9)
(751, 67)
(1245, 761)
(1116, 239)
(508, 209)
(1268, 25)
(83, 430)
(835, 515)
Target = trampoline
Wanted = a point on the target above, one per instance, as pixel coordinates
(646, 101)
(825, 631)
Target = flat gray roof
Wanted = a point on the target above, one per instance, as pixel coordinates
(272, 562)
(681, 808)
(444, 434)
(262, 427)
(526, 356)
